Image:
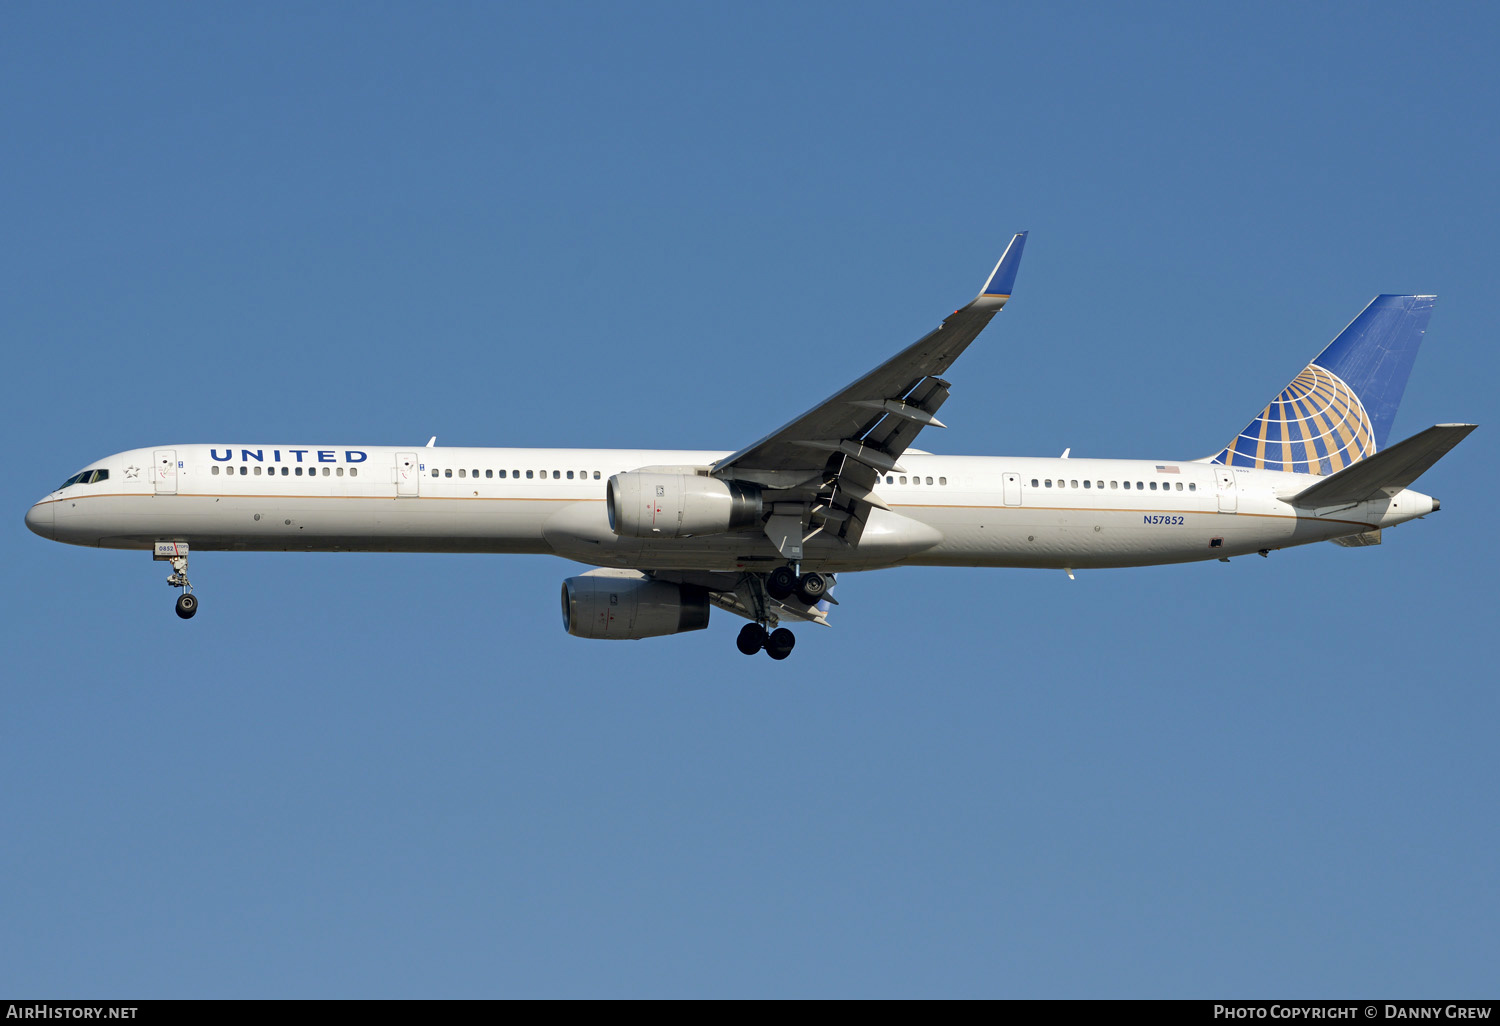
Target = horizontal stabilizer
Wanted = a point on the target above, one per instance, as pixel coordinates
(1391, 469)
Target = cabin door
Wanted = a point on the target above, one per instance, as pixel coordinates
(1012, 489)
(407, 474)
(1229, 496)
(164, 472)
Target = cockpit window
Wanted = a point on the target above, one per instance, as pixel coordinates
(85, 477)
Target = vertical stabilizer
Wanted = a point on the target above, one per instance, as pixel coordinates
(1340, 408)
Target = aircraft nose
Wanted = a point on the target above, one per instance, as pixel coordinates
(39, 519)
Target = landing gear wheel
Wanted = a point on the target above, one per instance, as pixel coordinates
(779, 645)
(187, 605)
(752, 638)
(811, 588)
(781, 582)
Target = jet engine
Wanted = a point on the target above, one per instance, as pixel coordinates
(643, 504)
(625, 605)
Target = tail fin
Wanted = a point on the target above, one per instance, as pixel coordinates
(1340, 408)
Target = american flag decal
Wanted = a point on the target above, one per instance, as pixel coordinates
(1166, 470)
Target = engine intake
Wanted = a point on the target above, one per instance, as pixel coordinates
(626, 606)
(643, 504)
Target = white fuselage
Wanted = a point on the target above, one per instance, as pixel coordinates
(945, 510)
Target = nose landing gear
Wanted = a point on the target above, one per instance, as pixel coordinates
(176, 553)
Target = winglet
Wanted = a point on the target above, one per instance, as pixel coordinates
(1003, 277)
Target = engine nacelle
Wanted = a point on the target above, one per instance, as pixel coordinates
(643, 504)
(624, 605)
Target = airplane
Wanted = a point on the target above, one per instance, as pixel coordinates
(762, 532)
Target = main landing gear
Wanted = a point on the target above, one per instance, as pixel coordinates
(176, 553)
(780, 584)
(778, 644)
(783, 582)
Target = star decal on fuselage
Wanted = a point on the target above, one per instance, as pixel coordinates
(132, 471)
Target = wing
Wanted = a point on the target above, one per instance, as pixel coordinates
(830, 458)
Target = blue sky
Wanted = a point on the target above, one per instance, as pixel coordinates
(679, 225)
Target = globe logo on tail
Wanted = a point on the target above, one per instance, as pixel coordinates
(1317, 425)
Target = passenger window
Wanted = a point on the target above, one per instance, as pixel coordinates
(474, 474)
(434, 471)
(903, 480)
(502, 475)
(1127, 486)
(460, 472)
(285, 471)
(557, 475)
(570, 475)
(1072, 484)
(325, 471)
(244, 471)
(1049, 482)
(447, 473)
(1192, 487)
(596, 475)
(257, 472)
(528, 475)
(929, 480)
(1153, 486)
(1114, 484)
(1086, 484)
(942, 480)
(214, 471)
(1035, 482)
(1101, 485)
(353, 471)
(340, 472)
(299, 471)
(1140, 486)
(489, 474)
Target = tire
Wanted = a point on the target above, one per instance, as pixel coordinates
(752, 638)
(187, 605)
(781, 582)
(780, 644)
(812, 588)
